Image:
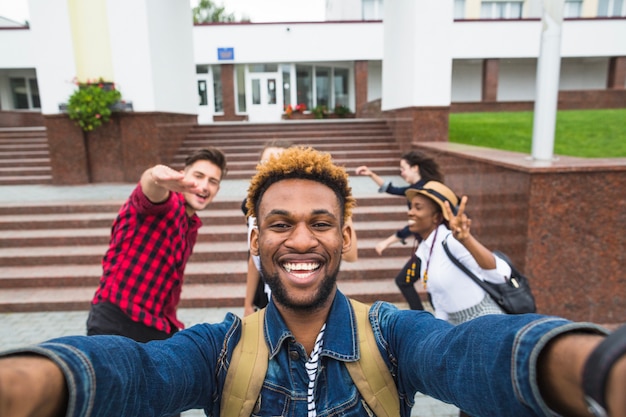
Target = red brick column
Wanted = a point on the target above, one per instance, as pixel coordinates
(617, 73)
(360, 86)
(490, 79)
(228, 95)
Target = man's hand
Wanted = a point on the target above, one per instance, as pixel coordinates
(158, 181)
(171, 179)
(31, 386)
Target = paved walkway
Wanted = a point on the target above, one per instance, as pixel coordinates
(19, 329)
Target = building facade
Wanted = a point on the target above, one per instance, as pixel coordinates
(254, 72)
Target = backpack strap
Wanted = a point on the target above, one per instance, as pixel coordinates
(247, 369)
(370, 373)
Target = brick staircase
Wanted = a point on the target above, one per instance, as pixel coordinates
(50, 253)
(352, 142)
(24, 156)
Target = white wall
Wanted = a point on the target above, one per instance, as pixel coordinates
(374, 80)
(522, 39)
(153, 54)
(344, 10)
(52, 51)
(417, 64)
(583, 73)
(16, 48)
(279, 42)
(517, 79)
(467, 80)
(171, 46)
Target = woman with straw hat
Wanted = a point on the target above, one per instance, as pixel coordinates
(436, 215)
(416, 168)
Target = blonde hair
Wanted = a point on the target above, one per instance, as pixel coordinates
(301, 163)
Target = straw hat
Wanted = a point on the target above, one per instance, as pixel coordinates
(437, 192)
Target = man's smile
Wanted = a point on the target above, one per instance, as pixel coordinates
(301, 269)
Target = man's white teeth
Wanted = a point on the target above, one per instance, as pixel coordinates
(411, 222)
(300, 266)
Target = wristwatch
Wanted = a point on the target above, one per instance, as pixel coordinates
(597, 368)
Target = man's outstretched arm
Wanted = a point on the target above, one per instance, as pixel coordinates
(560, 374)
(31, 386)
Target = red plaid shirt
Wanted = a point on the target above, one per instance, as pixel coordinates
(144, 265)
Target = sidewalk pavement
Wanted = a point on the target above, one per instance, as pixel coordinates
(229, 190)
(20, 329)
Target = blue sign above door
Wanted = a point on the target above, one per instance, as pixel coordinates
(225, 54)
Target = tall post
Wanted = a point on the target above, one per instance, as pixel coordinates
(547, 86)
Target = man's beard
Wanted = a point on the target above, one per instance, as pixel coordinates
(317, 300)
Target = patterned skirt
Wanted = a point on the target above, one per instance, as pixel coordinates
(486, 306)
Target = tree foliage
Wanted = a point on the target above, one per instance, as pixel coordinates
(208, 12)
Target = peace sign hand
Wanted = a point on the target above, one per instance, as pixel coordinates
(459, 223)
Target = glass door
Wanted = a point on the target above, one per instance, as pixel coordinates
(264, 97)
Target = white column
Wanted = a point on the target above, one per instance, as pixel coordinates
(144, 46)
(417, 60)
(547, 87)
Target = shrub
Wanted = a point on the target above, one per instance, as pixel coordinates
(341, 111)
(90, 105)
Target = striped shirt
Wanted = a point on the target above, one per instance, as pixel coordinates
(312, 367)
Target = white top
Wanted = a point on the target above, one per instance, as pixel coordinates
(450, 288)
(255, 258)
(252, 225)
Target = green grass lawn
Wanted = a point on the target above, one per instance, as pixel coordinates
(582, 133)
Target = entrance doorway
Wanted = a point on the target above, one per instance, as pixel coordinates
(205, 99)
(265, 101)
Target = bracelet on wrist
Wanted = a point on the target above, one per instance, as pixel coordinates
(597, 368)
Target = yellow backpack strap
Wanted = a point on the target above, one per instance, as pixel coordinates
(370, 373)
(247, 370)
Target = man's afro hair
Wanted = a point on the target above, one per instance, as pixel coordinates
(301, 163)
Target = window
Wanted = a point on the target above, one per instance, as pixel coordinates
(286, 86)
(240, 71)
(202, 93)
(271, 91)
(25, 93)
(322, 86)
(573, 8)
(34, 93)
(501, 10)
(304, 85)
(263, 68)
(612, 8)
(459, 9)
(373, 9)
(217, 89)
(340, 83)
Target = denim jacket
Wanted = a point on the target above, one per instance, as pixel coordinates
(485, 366)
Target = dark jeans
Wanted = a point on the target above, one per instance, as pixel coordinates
(106, 318)
(405, 280)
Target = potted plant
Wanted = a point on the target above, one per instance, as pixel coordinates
(341, 111)
(92, 103)
(319, 111)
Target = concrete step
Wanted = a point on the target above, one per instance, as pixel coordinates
(85, 254)
(193, 296)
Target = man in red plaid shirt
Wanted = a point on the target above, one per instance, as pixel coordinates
(151, 240)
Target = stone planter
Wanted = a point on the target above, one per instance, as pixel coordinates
(117, 151)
